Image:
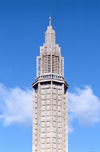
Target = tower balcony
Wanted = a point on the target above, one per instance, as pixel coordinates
(49, 76)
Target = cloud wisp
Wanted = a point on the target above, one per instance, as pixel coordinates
(83, 106)
(16, 106)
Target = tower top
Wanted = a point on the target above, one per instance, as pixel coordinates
(50, 21)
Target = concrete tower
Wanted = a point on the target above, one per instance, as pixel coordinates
(50, 105)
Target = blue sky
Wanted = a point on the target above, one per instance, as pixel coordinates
(22, 27)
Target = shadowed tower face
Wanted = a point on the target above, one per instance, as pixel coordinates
(50, 107)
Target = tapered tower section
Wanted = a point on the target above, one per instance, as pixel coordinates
(50, 105)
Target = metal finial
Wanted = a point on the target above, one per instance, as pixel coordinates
(49, 21)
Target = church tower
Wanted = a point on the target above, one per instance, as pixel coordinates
(50, 104)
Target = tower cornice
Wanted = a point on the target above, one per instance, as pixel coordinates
(50, 77)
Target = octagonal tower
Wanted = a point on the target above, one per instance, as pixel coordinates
(50, 105)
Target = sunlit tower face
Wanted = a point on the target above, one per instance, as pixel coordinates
(50, 107)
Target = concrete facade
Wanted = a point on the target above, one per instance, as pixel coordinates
(50, 105)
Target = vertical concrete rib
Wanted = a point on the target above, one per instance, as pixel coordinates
(51, 115)
(39, 109)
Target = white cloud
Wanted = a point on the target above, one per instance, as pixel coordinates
(84, 106)
(70, 122)
(16, 106)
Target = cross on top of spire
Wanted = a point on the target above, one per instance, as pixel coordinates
(49, 21)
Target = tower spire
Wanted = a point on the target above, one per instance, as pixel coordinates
(50, 21)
